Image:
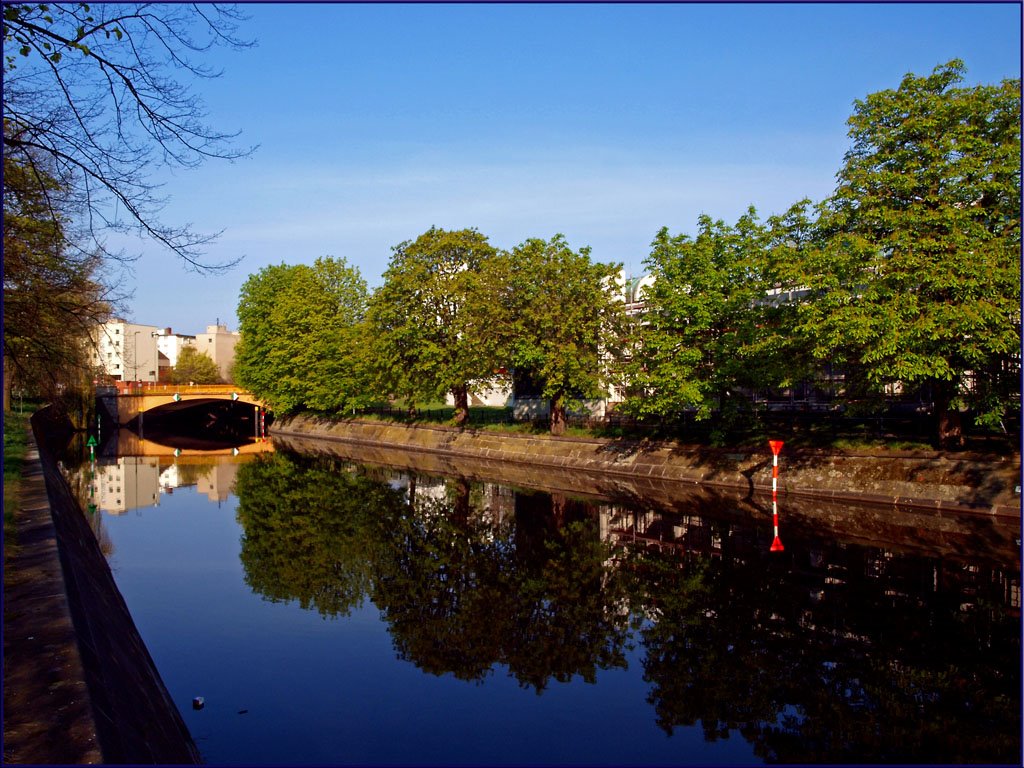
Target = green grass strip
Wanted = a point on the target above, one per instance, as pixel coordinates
(16, 426)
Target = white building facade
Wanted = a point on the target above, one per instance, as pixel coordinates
(170, 344)
(127, 351)
(218, 343)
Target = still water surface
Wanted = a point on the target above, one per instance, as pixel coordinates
(330, 612)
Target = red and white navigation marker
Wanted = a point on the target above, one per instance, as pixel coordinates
(776, 446)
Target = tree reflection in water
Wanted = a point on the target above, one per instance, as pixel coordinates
(311, 533)
(824, 653)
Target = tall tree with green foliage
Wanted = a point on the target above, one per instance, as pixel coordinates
(55, 292)
(716, 322)
(303, 336)
(918, 282)
(257, 300)
(559, 317)
(428, 340)
(196, 367)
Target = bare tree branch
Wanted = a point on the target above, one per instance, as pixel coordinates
(102, 91)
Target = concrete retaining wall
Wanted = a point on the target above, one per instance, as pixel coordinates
(134, 718)
(920, 479)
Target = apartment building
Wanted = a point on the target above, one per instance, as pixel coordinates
(127, 351)
(170, 345)
(219, 344)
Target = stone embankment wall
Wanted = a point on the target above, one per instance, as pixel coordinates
(969, 482)
(134, 718)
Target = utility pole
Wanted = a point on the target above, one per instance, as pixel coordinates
(135, 355)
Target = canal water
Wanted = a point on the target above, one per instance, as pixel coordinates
(334, 612)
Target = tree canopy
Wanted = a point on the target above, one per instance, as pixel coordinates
(918, 278)
(55, 293)
(302, 336)
(714, 323)
(429, 339)
(559, 317)
(906, 279)
(195, 366)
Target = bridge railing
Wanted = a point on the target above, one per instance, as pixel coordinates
(163, 388)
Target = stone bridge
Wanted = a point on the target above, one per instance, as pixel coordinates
(136, 399)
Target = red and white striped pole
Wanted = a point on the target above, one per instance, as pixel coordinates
(776, 446)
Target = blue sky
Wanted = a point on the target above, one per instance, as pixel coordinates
(604, 122)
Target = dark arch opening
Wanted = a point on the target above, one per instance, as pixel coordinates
(206, 424)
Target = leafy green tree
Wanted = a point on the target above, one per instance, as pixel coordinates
(428, 341)
(195, 366)
(55, 292)
(918, 281)
(695, 307)
(304, 336)
(259, 337)
(558, 317)
(716, 325)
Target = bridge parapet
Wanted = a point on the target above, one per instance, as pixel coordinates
(153, 388)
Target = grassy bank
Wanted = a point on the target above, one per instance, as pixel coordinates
(16, 426)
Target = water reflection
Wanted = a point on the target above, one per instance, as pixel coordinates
(827, 652)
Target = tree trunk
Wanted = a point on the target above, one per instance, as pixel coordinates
(950, 428)
(8, 384)
(461, 394)
(558, 507)
(558, 415)
(461, 507)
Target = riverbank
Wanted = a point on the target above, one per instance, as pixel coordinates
(47, 709)
(980, 483)
(79, 684)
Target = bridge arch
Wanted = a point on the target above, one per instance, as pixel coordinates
(133, 400)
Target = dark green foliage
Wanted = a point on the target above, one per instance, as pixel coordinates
(558, 316)
(303, 342)
(429, 338)
(54, 292)
(717, 324)
(917, 280)
(195, 366)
